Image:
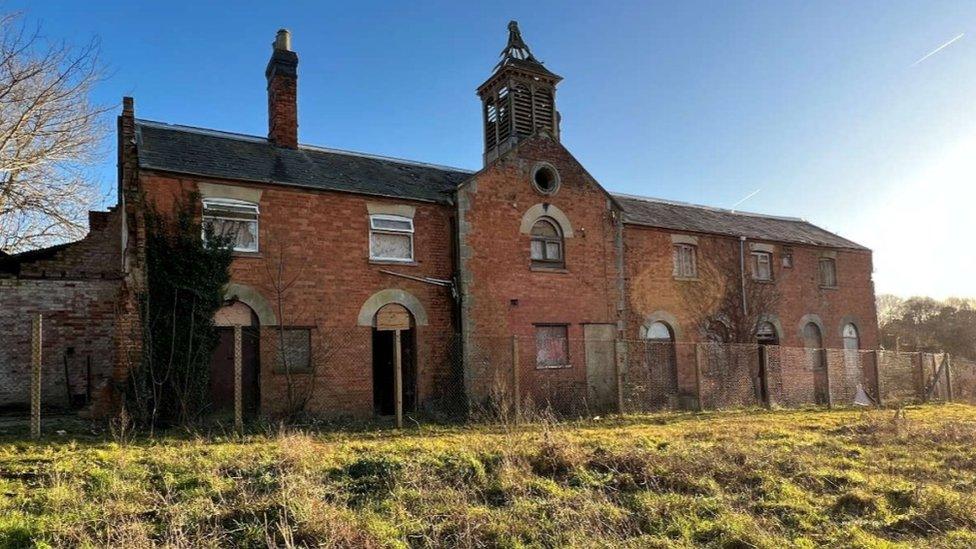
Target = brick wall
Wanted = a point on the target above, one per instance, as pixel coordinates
(322, 241)
(652, 287)
(502, 294)
(78, 325)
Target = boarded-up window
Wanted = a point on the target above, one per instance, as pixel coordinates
(828, 272)
(762, 265)
(552, 346)
(390, 238)
(293, 349)
(685, 261)
(233, 219)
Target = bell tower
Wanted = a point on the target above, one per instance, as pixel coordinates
(518, 99)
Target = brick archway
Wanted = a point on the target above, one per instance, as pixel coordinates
(385, 297)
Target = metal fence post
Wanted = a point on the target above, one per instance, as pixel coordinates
(948, 377)
(619, 371)
(35, 389)
(698, 391)
(238, 382)
(398, 378)
(826, 366)
(877, 377)
(516, 389)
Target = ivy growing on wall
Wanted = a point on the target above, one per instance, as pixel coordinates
(186, 275)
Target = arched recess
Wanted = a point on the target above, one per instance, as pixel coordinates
(774, 320)
(807, 319)
(253, 299)
(665, 317)
(391, 295)
(849, 319)
(545, 210)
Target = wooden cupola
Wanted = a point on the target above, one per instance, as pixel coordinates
(518, 99)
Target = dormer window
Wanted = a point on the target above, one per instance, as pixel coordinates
(235, 220)
(390, 238)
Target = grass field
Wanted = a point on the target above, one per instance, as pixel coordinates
(725, 479)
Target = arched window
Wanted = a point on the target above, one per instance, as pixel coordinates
(660, 332)
(547, 244)
(851, 340)
(766, 334)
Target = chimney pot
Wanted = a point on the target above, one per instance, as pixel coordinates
(283, 40)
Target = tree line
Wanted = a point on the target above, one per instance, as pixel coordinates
(927, 324)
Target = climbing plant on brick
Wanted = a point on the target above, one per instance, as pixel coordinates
(186, 275)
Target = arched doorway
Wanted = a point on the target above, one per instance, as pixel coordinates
(813, 341)
(766, 334)
(393, 322)
(235, 313)
(662, 362)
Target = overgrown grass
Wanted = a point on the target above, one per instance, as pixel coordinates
(733, 479)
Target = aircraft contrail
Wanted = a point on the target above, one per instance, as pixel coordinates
(750, 195)
(940, 48)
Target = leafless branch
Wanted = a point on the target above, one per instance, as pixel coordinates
(49, 135)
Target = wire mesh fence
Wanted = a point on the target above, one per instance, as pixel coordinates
(447, 376)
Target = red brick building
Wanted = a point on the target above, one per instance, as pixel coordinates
(530, 245)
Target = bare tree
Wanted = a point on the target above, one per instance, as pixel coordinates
(49, 132)
(285, 263)
(726, 303)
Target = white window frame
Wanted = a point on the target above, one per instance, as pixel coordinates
(676, 250)
(216, 202)
(385, 230)
(756, 256)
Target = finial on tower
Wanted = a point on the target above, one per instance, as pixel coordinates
(516, 47)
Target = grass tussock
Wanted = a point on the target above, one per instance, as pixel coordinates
(733, 479)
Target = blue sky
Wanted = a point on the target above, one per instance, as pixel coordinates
(821, 105)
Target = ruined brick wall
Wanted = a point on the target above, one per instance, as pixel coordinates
(78, 327)
(502, 294)
(322, 240)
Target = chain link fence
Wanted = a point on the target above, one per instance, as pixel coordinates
(451, 377)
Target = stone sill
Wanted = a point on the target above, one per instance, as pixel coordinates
(557, 270)
(829, 287)
(686, 278)
(393, 262)
(247, 255)
(560, 367)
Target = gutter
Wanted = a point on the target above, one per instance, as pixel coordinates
(742, 274)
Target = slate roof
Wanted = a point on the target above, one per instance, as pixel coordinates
(210, 153)
(680, 216)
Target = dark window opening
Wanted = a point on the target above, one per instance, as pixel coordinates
(546, 179)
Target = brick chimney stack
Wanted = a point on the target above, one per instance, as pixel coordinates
(282, 75)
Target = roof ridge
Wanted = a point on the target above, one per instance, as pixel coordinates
(710, 208)
(257, 139)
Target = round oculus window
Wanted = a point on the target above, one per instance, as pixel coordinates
(545, 179)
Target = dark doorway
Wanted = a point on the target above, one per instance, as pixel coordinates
(813, 341)
(222, 371)
(766, 335)
(384, 396)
